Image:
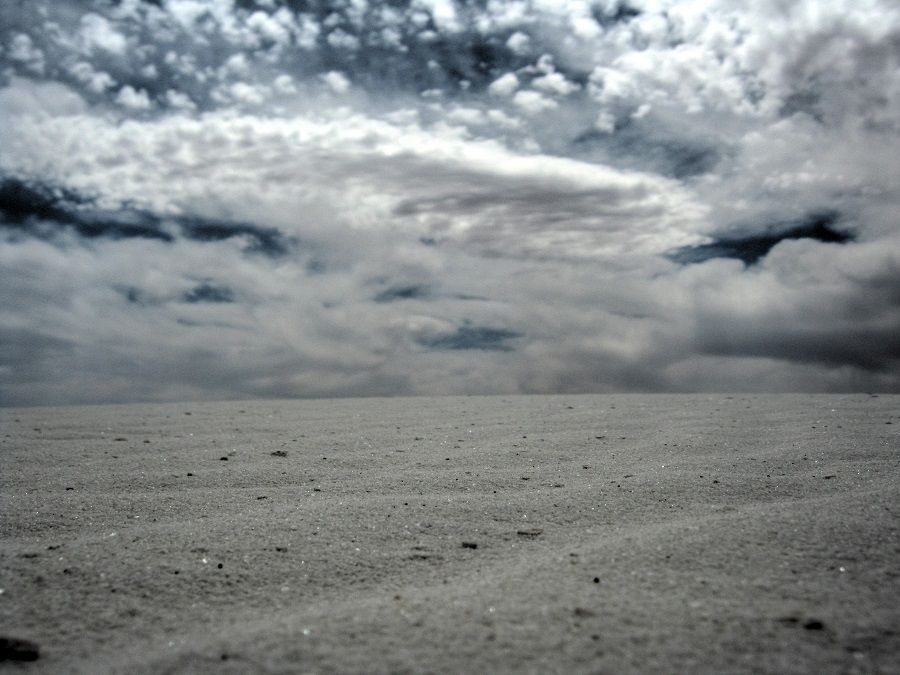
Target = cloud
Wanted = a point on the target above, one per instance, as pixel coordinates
(98, 32)
(798, 311)
(407, 292)
(206, 292)
(51, 213)
(135, 100)
(218, 199)
(751, 248)
(44, 211)
(336, 81)
(36, 99)
(23, 51)
(474, 337)
(504, 85)
(533, 102)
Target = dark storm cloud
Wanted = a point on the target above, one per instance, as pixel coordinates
(207, 292)
(44, 211)
(264, 240)
(403, 292)
(870, 349)
(804, 101)
(473, 337)
(751, 248)
(41, 211)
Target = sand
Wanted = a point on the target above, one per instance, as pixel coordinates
(541, 534)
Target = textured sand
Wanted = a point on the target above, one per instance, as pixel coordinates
(551, 534)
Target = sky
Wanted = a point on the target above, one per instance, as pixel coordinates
(241, 199)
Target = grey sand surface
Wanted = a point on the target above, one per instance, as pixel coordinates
(543, 534)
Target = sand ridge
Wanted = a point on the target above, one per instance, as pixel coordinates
(614, 533)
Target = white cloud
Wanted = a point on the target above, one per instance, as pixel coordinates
(583, 24)
(341, 39)
(242, 93)
(504, 85)
(433, 182)
(605, 122)
(470, 116)
(502, 120)
(554, 83)
(180, 100)
(284, 84)
(98, 82)
(97, 31)
(275, 27)
(306, 32)
(23, 51)
(533, 102)
(336, 81)
(237, 65)
(519, 43)
(135, 99)
(443, 13)
(27, 99)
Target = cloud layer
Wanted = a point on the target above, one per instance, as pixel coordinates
(230, 199)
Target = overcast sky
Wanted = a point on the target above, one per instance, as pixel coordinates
(219, 199)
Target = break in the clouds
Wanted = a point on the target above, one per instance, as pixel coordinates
(239, 198)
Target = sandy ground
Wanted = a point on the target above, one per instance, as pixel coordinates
(545, 534)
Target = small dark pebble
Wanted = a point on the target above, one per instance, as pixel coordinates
(469, 544)
(223, 459)
(829, 477)
(529, 532)
(279, 453)
(16, 649)
(814, 624)
(120, 439)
